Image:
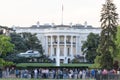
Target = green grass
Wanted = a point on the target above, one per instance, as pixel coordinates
(52, 65)
(41, 79)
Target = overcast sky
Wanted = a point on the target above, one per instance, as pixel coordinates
(28, 12)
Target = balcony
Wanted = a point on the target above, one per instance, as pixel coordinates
(61, 43)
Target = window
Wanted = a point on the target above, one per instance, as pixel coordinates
(82, 41)
(61, 39)
(68, 39)
(55, 39)
(54, 52)
(61, 52)
(74, 40)
(68, 51)
(48, 40)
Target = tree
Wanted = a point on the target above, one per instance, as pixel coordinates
(117, 56)
(109, 24)
(32, 42)
(26, 41)
(117, 41)
(90, 46)
(5, 45)
(19, 43)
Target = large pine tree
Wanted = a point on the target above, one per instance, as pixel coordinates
(107, 47)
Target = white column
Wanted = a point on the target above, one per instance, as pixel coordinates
(58, 53)
(76, 45)
(51, 54)
(79, 47)
(80, 39)
(65, 53)
(71, 52)
(46, 49)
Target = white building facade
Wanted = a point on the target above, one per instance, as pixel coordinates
(61, 41)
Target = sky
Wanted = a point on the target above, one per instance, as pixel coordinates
(25, 13)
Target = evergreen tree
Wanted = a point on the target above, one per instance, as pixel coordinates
(109, 24)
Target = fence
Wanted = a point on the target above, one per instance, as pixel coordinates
(108, 77)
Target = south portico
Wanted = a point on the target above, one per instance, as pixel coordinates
(61, 46)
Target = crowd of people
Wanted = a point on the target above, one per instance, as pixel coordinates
(55, 73)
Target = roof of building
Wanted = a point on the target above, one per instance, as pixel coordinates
(76, 26)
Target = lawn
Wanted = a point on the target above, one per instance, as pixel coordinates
(42, 79)
(52, 65)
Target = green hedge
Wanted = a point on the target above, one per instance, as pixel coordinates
(52, 65)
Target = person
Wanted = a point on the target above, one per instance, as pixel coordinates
(93, 73)
(118, 72)
(17, 73)
(65, 75)
(7, 72)
(71, 71)
(47, 73)
(0, 73)
(80, 74)
(59, 73)
(104, 72)
(75, 74)
(35, 73)
(50, 74)
(70, 75)
(83, 74)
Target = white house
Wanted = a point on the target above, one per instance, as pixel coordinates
(61, 41)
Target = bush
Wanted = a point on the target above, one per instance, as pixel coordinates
(75, 61)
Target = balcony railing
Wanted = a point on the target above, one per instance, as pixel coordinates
(61, 43)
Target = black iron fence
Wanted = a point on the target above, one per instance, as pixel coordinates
(108, 77)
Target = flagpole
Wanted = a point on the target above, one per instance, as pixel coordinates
(62, 16)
